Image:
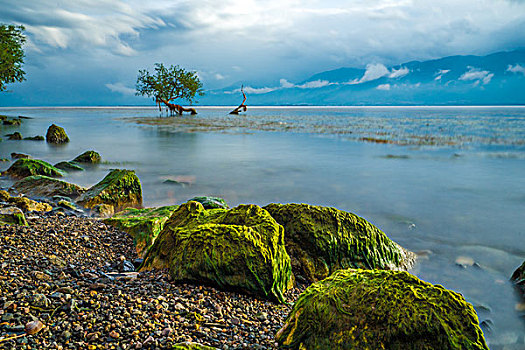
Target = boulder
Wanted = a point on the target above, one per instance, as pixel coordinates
(56, 134)
(211, 202)
(321, 240)
(15, 136)
(144, 225)
(15, 155)
(103, 210)
(91, 157)
(191, 346)
(12, 216)
(518, 277)
(35, 138)
(68, 166)
(13, 122)
(27, 167)
(240, 249)
(120, 188)
(27, 204)
(45, 186)
(379, 309)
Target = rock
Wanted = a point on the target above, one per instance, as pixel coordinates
(211, 202)
(67, 205)
(91, 157)
(240, 248)
(56, 134)
(4, 196)
(27, 204)
(191, 346)
(120, 188)
(378, 309)
(19, 156)
(33, 327)
(12, 216)
(45, 186)
(68, 166)
(143, 225)
(103, 210)
(321, 240)
(35, 138)
(518, 277)
(13, 122)
(4, 160)
(27, 167)
(15, 136)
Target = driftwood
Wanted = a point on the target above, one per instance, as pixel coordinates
(242, 107)
(173, 108)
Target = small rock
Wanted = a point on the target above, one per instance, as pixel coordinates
(33, 327)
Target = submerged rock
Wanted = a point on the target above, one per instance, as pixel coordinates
(14, 122)
(46, 186)
(365, 309)
(518, 277)
(120, 188)
(240, 248)
(15, 136)
(56, 134)
(91, 157)
(211, 202)
(68, 166)
(144, 225)
(12, 216)
(35, 138)
(15, 155)
(321, 240)
(27, 167)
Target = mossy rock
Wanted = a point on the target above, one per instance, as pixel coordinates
(56, 134)
(4, 160)
(378, 309)
(24, 167)
(15, 155)
(144, 225)
(27, 204)
(45, 186)
(321, 240)
(35, 138)
(518, 277)
(240, 249)
(15, 136)
(12, 122)
(103, 210)
(191, 346)
(120, 188)
(68, 166)
(91, 157)
(211, 202)
(12, 216)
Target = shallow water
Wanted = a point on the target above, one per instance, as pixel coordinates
(448, 181)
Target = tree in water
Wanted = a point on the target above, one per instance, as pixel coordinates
(11, 55)
(242, 107)
(168, 84)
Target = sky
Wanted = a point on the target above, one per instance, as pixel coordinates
(88, 52)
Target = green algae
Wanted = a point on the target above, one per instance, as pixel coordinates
(144, 225)
(120, 188)
(45, 186)
(365, 309)
(68, 166)
(191, 346)
(56, 134)
(321, 240)
(211, 202)
(24, 167)
(240, 248)
(91, 157)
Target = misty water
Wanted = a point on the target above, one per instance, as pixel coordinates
(446, 182)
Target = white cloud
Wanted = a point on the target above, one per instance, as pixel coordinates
(440, 73)
(516, 69)
(385, 87)
(401, 72)
(286, 84)
(477, 75)
(121, 88)
(314, 84)
(256, 91)
(373, 72)
(219, 76)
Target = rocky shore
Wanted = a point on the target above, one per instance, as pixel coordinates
(75, 276)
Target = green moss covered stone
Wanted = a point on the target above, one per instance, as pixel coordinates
(240, 248)
(191, 346)
(35, 138)
(91, 157)
(56, 134)
(144, 225)
(12, 216)
(68, 166)
(120, 188)
(211, 202)
(27, 167)
(15, 136)
(321, 240)
(365, 309)
(45, 186)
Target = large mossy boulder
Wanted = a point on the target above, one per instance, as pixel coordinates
(45, 186)
(12, 216)
(90, 157)
(68, 166)
(24, 167)
(321, 240)
(120, 188)
(56, 134)
(144, 225)
(378, 309)
(518, 277)
(240, 248)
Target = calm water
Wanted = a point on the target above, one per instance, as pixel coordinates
(449, 181)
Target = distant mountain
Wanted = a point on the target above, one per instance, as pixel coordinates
(496, 79)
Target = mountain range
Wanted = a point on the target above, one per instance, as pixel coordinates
(495, 79)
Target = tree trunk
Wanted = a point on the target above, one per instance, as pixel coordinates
(176, 108)
(242, 107)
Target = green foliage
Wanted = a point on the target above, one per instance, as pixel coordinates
(169, 83)
(11, 55)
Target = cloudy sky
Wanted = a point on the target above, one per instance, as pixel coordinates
(89, 51)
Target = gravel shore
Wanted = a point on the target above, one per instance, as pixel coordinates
(75, 277)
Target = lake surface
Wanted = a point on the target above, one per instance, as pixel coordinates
(449, 182)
